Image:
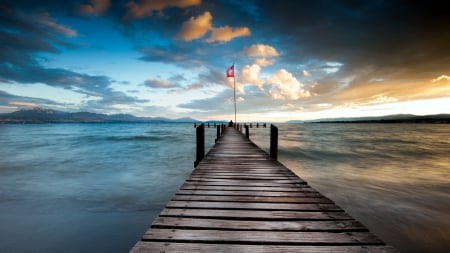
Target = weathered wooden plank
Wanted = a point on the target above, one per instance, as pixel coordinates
(264, 237)
(158, 247)
(217, 224)
(239, 166)
(260, 199)
(249, 193)
(302, 188)
(242, 177)
(242, 173)
(244, 181)
(255, 215)
(259, 164)
(252, 206)
(237, 156)
(239, 183)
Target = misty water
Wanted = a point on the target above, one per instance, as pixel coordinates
(97, 187)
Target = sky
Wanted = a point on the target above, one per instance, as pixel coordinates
(294, 60)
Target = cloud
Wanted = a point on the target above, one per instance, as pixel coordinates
(281, 86)
(209, 78)
(221, 105)
(286, 86)
(49, 23)
(25, 37)
(113, 102)
(14, 102)
(263, 62)
(177, 78)
(186, 55)
(96, 7)
(162, 54)
(391, 38)
(226, 33)
(212, 76)
(25, 34)
(147, 7)
(261, 50)
(159, 84)
(250, 75)
(196, 28)
(440, 78)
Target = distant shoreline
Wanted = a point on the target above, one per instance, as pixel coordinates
(392, 119)
(38, 116)
(414, 121)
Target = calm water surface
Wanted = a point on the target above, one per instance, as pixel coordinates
(97, 187)
(87, 187)
(395, 178)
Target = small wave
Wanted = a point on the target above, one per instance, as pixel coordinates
(170, 138)
(136, 138)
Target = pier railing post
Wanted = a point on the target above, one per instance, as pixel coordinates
(273, 142)
(247, 132)
(200, 134)
(218, 133)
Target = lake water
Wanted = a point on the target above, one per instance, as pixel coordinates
(97, 187)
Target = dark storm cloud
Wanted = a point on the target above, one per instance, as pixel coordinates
(383, 34)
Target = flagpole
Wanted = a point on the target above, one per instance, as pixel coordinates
(234, 90)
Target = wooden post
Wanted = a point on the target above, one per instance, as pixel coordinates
(200, 133)
(247, 132)
(273, 142)
(218, 133)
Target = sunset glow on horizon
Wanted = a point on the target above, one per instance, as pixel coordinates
(294, 60)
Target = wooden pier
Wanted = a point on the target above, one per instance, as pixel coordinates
(239, 200)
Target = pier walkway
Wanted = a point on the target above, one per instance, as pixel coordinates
(239, 200)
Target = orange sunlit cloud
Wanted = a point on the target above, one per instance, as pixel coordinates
(197, 27)
(261, 50)
(226, 33)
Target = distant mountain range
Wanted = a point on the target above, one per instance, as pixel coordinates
(40, 115)
(398, 118)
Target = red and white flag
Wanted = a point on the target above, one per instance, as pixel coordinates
(230, 71)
